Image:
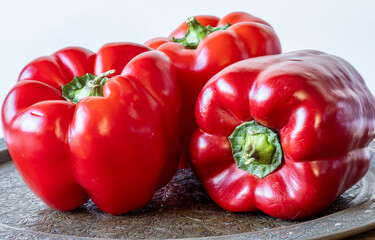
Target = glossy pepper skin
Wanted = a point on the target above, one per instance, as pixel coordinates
(116, 149)
(247, 37)
(324, 115)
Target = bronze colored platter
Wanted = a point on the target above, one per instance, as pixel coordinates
(180, 210)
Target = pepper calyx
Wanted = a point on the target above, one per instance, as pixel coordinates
(85, 86)
(256, 149)
(196, 32)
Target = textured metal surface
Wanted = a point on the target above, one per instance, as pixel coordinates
(180, 210)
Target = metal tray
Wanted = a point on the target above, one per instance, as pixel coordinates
(180, 210)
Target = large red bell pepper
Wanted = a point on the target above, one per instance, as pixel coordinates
(284, 134)
(116, 145)
(204, 51)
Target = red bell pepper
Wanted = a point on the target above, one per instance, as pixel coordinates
(204, 51)
(114, 141)
(284, 134)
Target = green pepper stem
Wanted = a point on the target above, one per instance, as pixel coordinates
(196, 32)
(256, 149)
(85, 86)
(100, 77)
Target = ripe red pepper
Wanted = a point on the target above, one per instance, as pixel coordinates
(114, 141)
(204, 51)
(284, 134)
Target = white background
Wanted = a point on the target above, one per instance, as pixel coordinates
(32, 28)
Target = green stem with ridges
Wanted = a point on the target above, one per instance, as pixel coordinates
(85, 86)
(256, 149)
(196, 32)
